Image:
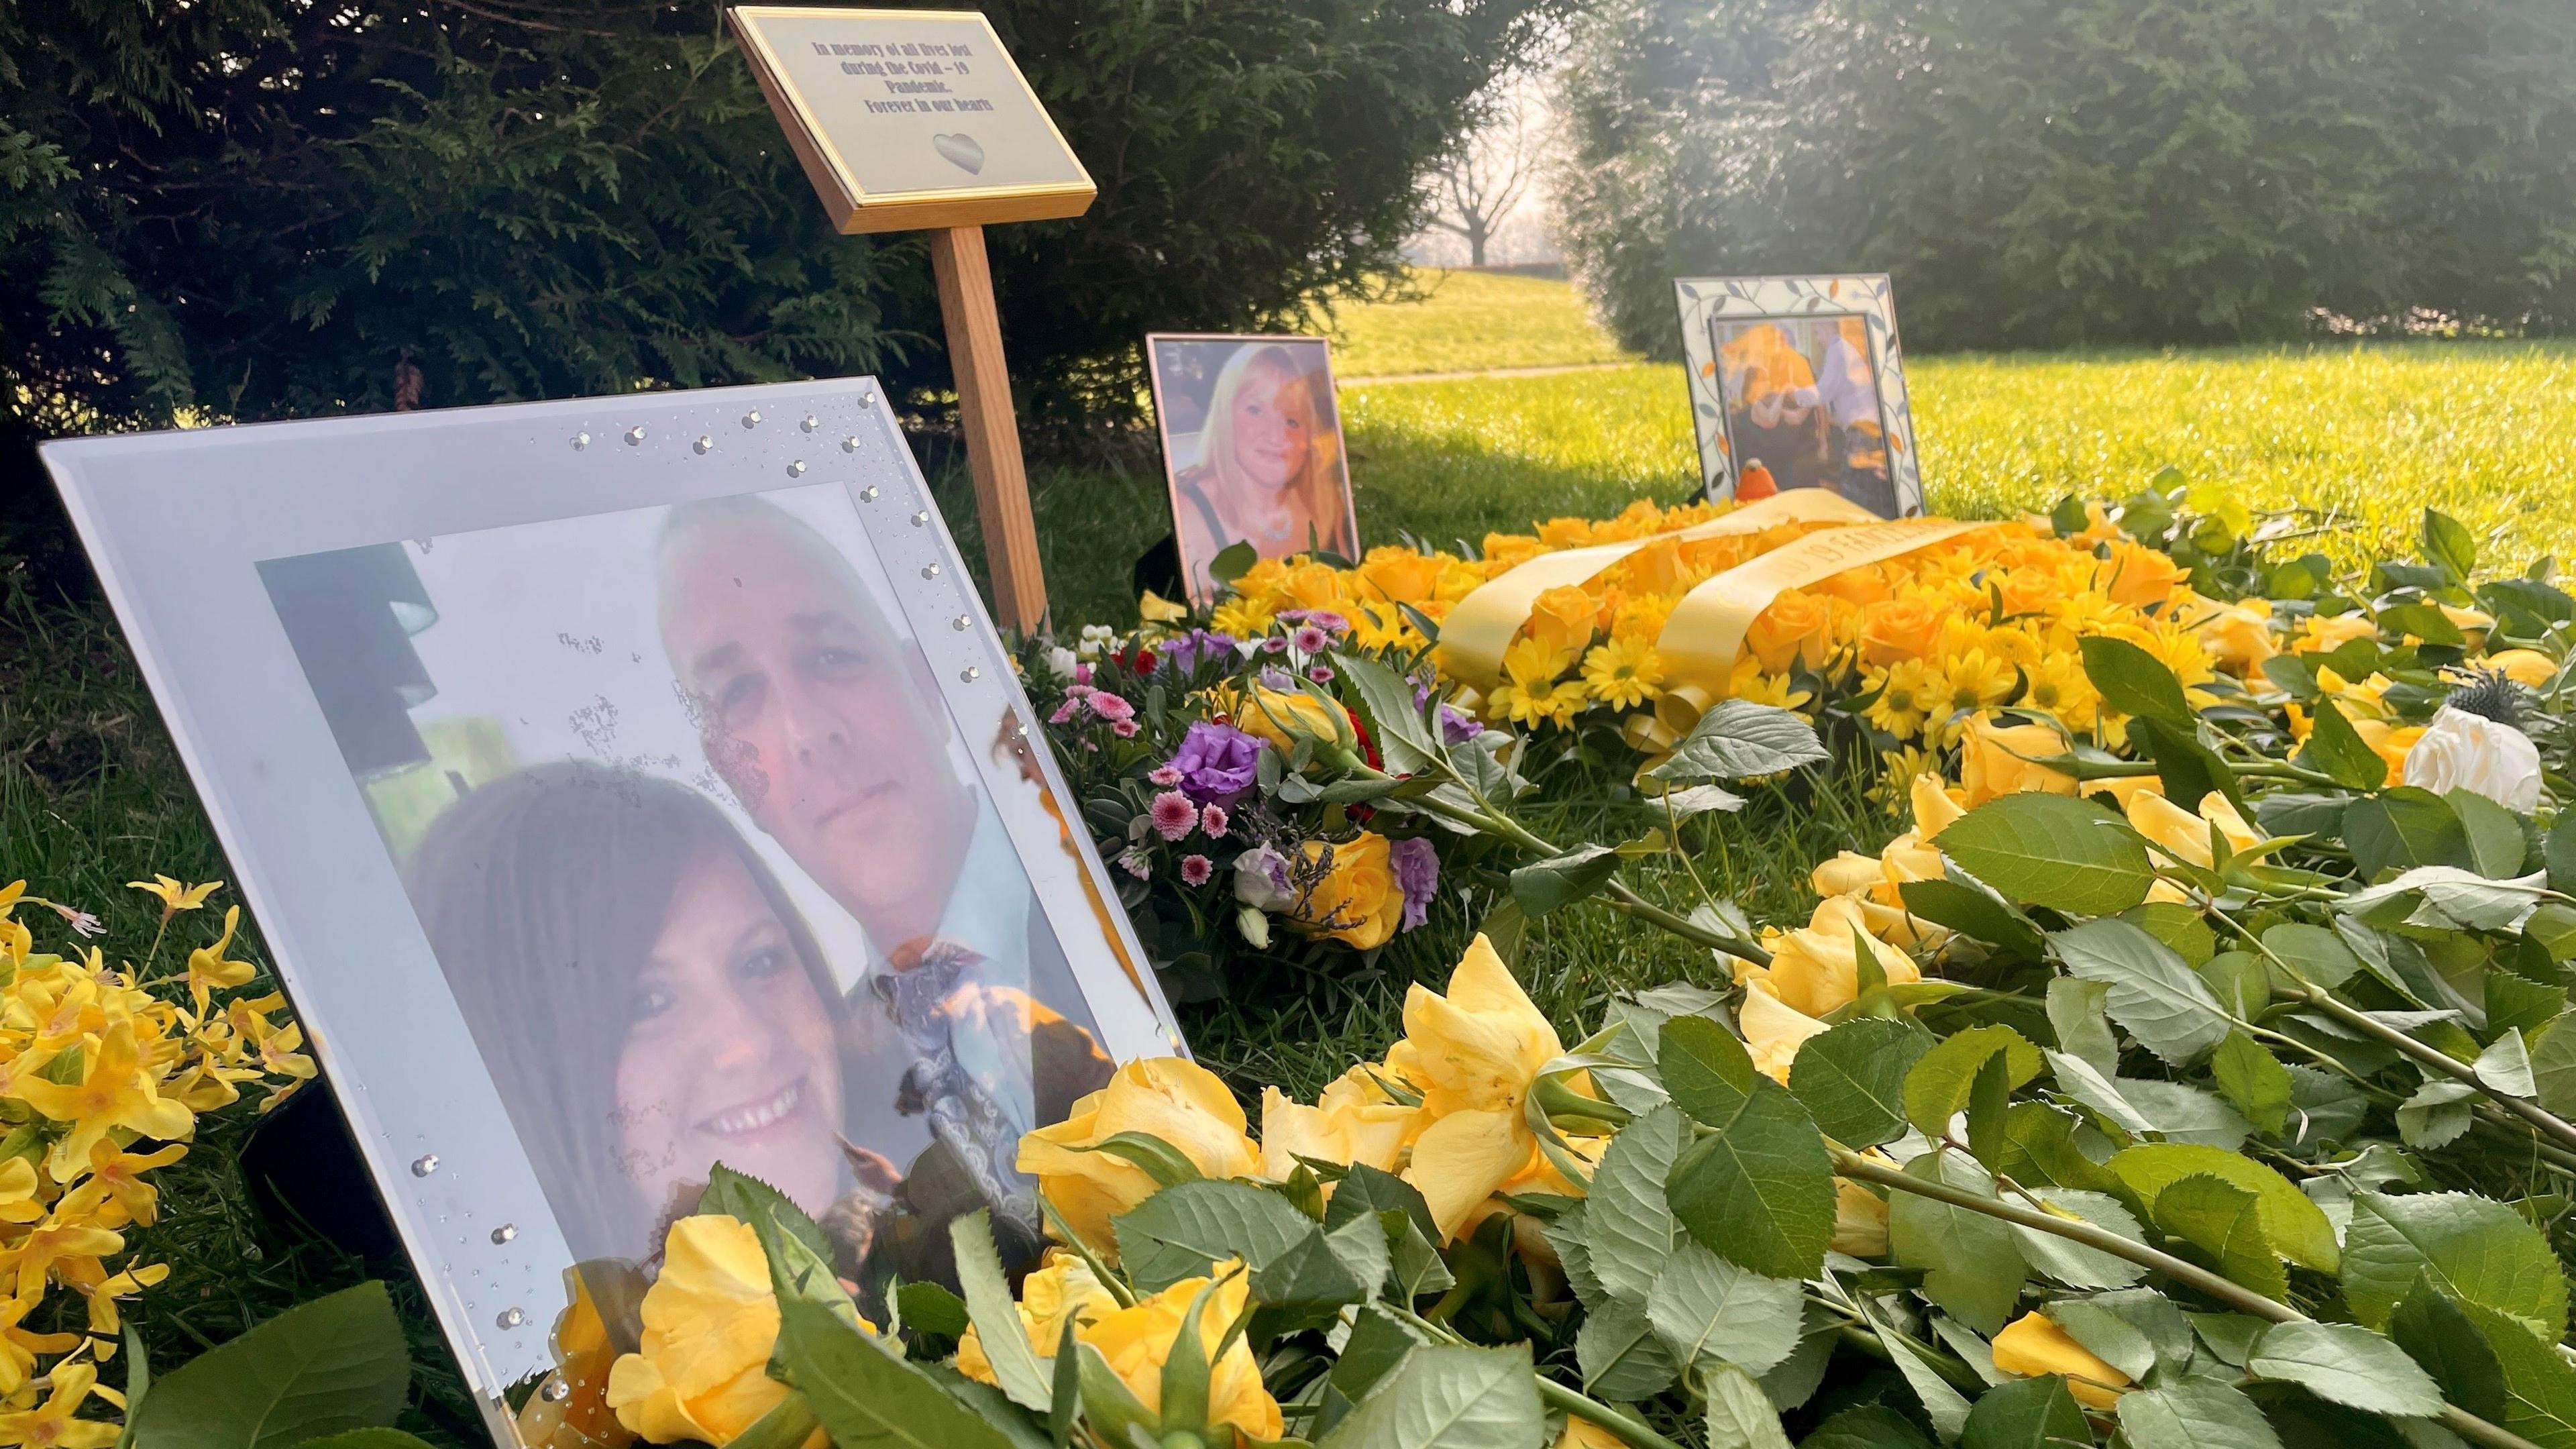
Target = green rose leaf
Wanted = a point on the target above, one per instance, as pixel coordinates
(2313, 951)
(2072, 1263)
(1628, 1227)
(2478, 1251)
(2052, 851)
(1852, 1078)
(1760, 1193)
(1621, 1355)
(1178, 1232)
(2344, 1364)
(2254, 1080)
(1940, 1082)
(1561, 880)
(2553, 1067)
(1971, 907)
(1447, 1398)
(1740, 1415)
(2154, 992)
(2224, 1222)
(2338, 749)
(996, 1317)
(329, 1366)
(1710, 1312)
(2133, 1330)
(2402, 828)
(2026, 1414)
(2437, 1334)
(1737, 739)
(1972, 1266)
(2539, 1387)
(1402, 737)
(1705, 1068)
(2134, 681)
(2294, 1225)
(2449, 545)
(2194, 1413)
(863, 1394)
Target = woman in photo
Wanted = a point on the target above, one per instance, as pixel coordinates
(1267, 469)
(648, 1001)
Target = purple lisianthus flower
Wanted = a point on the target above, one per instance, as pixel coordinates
(1217, 763)
(1417, 874)
(1261, 879)
(1274, 677)
(1457, 726)
(1184, 653)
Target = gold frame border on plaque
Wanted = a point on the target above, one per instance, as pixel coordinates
(853, 210)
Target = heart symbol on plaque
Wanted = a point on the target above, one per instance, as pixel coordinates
(960, 148)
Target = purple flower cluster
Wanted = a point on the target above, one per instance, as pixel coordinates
(1216, 763)
(1417, 875)
(1186, 652)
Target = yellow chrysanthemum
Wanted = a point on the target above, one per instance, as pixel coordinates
(1624, 673)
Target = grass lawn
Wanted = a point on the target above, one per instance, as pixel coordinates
(1469, 320)
(91, 794)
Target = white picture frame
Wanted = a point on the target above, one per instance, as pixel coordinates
(531, 523)
(1869, 394)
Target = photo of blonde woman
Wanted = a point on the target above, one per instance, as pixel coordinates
(1253, 446)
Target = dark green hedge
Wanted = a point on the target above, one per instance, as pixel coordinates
(263, 208)
(2049, 173)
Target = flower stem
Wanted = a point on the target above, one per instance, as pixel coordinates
(2541, 1119)
(2244, 1300)
(1628, 1427)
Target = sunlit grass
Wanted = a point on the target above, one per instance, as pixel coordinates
(1470, 321)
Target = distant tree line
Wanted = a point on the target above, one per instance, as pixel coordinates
(2054, 173)
(241, 209)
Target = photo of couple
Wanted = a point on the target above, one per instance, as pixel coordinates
(1252, 443)
(713, 870)
(1803, 409)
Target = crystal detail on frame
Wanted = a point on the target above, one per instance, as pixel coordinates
(970, 674)
(635, 435)
(751, 419)
(505, 1233)
(921, 518)
(869, 493)
(930, 571)
(580, 441)
(810, 423)
(424, 1165)
(796, 469)
(961, 623)
(556, 1391)
(850, 444)
(704, 444)
(511, 1318)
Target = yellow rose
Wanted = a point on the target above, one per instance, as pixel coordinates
(1354, 1122)
(2391, 742)
(1773, 1030)
(1137, 1341)
(1860, 1220)
(1178, 1101)
(709, 1325)
(1562, 619)
(1064, 1288)
(1313, 586)
(2527, 667)
(2183, 833)
(2033, 1344)
(2324, 633)
(1284, 716)
(1934, 806)
(2140, 576)
(1796, 628)
(1399, 574)
(1476, 1052)
(2238, 636)
(2472, 623)
(584, 1359)
(1901, 629)
(1816, 969)
(1992, 760)
(1356, 902)
(1847, 873)
(1582, 1433)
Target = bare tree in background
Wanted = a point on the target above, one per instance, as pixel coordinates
(1474, 190)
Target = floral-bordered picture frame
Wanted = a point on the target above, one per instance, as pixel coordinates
(1809, 369)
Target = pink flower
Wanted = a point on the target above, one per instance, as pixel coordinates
(1125, 729)
(1320, 673)
(1196, 869)
(1173, 814)
(1109, 706)
(1310, 640)
(1213, 821)
(1064, 711)
(1164, 775)
(1135, 863)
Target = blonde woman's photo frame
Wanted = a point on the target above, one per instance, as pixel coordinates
(1252, 449)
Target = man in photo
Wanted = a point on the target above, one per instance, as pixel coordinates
(825, 724)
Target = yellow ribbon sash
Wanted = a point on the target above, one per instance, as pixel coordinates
(1481, 627)
(1705, 631)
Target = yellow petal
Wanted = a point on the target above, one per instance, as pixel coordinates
(1460, 1160)
(2033, 1344)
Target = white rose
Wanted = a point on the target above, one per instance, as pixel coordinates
(1060, 662)
(2463, 751)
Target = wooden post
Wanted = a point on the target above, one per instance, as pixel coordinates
(992, 431)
